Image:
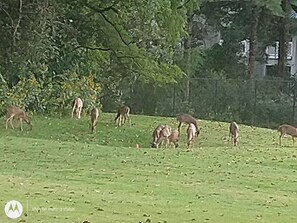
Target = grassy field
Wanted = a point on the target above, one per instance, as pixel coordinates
(62, 173)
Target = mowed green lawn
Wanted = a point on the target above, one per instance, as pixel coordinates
(62, 173)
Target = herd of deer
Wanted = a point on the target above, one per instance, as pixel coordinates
(162, 134)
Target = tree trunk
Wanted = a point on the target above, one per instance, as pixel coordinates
(187, 56)
(283, 40)
(253, 41)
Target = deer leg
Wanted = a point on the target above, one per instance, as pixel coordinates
(123, 119)
(166, 142)
(120, 120)
(234, 141)
(116, 119)
(10, 121)
(21, 123)
(6, 125)
(159, 141)
(73, 110)
(175, 144)
(94, 127)
(79, 112)
(7, 120)
(179, 126)
(188, 144)
(280, 139)
(76, 112)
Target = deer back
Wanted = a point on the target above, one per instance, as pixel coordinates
(288, 129)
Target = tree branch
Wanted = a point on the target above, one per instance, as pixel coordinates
(96, 9)
(18, 24)
(90, 48)
(179, 7)
(11, 20)
(101, 11)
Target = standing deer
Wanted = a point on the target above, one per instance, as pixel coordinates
(234, 133)
(122, 115)
(287, 129)
(188, 119)
(94, 119)
(164, 136)
(191, 134)
(20, 114)
(77, 107)
(156, 134)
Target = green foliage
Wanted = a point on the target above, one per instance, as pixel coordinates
(72, 86)
(219, 61)
(54, 38)
(38, 96)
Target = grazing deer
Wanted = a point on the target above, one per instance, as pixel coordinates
(287, 129)
(234, 133)
(164, 136)
(122, 115)
(94, 119)
(174, 138)
(20, 114)
(188, 119)
(77, 107)
(191, 134)
(156, 134)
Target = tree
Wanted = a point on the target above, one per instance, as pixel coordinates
(283, 27)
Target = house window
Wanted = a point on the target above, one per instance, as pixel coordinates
(272, 51)
(244, 49)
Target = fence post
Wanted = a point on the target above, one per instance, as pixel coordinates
(294, 101)
(255, 102)
(215, 99)
(173, 102)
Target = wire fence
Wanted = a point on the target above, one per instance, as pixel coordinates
(265, 103)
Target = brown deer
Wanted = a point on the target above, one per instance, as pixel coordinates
(164, 136)
(20, 114)
(287, 129)
(191, 134)
(234, 133)
(188, 119)
(77, 108)
(94, 119)
(122, 115)
(174, 138)
(156, 134)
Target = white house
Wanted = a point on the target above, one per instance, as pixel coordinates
(262, 69)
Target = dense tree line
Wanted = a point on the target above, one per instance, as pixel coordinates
(52, 51)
